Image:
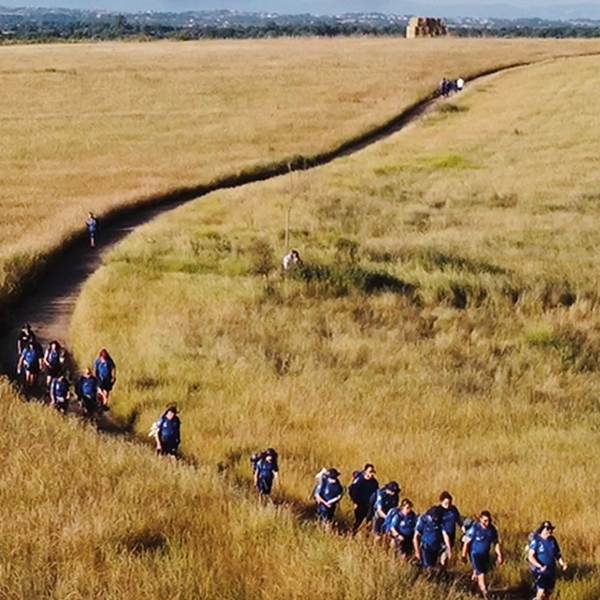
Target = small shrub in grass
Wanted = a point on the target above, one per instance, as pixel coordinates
(262, 257)
(338, 280)
(433, 259)
(576, 351)
(346, 251)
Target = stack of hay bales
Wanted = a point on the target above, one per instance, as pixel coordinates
(426, 27)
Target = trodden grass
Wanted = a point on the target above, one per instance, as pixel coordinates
(445, 326)
(97, 126)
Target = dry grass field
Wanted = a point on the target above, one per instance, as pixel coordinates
(96, 126)
(445, 326)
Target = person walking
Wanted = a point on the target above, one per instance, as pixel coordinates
(543, 554)
(59, 393)
(86, 390)
(30, 364)
(92, 229)
(430, 539)
(26, 335)
(400, 524)
(105, 371)
(328, 494)
(361, 490)
(266, 471)
(52, 364)
(478, 542)
(168, 433)
(386, 499)
(450, 520)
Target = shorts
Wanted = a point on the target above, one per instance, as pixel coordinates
(378, 525)
(33, 368)
(326, 513)
(481, 563)
(405, 546)
(544, 581)
(265, 485)
(168, 447)
(429, 556)
(53, 371)
(105, 385)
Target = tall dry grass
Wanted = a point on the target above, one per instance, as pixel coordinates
(87, 516)
(110, 124)
(445, 327)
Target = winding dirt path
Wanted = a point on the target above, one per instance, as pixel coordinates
(48, 297)
(48, 300)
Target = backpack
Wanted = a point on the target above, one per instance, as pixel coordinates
(154, 429)
(256, 457)
(387, 524)
(356, 477)
(320, 477)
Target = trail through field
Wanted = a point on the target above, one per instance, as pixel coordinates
(48, 302)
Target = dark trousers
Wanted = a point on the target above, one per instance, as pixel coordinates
(360, 514)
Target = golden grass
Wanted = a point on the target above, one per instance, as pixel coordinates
(484, 381)
(110, 124)
(86, 516)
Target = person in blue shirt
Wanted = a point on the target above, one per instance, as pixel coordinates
(543, 553)
(92, 228)
(362, 488)
(450, 520)
(105, 372)
(30, 363)
(430, 539)
(52, 362)
(327, 495)
(168, 433)
(87, 393)
(59, 393)
(386, 499)
(400, 524)
(266, 471)
(478, 542)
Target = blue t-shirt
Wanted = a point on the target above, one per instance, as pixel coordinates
(30, 356)
(482, 538)
(328, 490)
(103, 368)
(266, 469)
(362, 489)
(92, 224)
(52, 357)
(403, 524)
(60, 388)
(546, 552)
(450, 519)
(385, 501)
(88, 386)
(169, 429)
(430, 531)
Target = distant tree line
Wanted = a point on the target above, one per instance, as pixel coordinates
(122, 28)
(115, 27)
(527, 31)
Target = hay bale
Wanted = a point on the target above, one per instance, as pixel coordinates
(419, 27)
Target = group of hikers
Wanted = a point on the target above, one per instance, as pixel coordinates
(429, 537)
(92, 388)
(448, 86)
